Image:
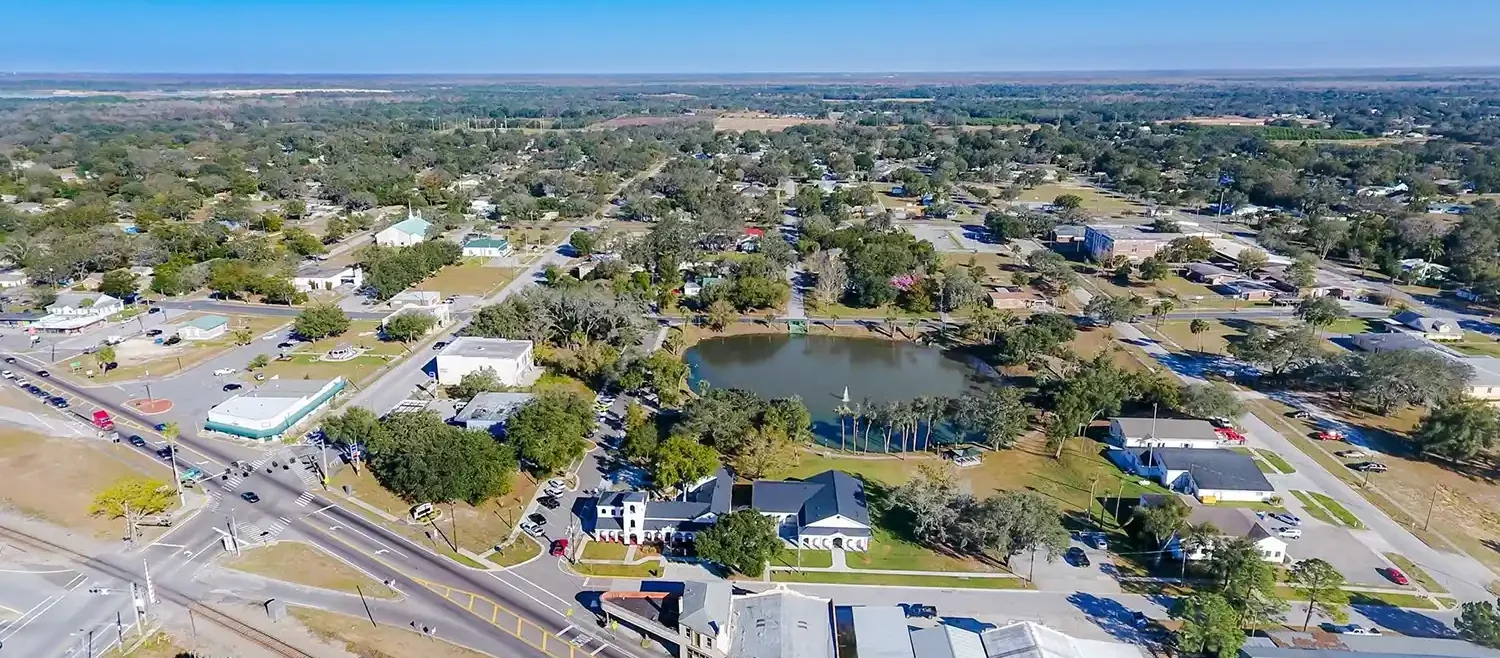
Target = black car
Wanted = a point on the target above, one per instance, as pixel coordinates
(282, 346)
(250, 497)
(537, 519)
(59, 402)
(919, 610)
(137, 441)
(548, 502)
(43, 373)
(153, 332)
(35, 390)
(154, 309)
(10, 359)
(231, 387)
(1076, 557)
(439, 345)
(164, 452)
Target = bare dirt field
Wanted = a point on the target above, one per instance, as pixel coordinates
(300, 563)
(1225, 120)
(359, 638)
(56, 479)
(742, 121)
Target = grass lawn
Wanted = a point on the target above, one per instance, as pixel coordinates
(1094, 199)
(478, 528)
(604, 550)
(364, 334)
(1277, 461)
(516, 552)
(1313, 509)
(303, 564)
(1416, 573)
(1347, 326)
(994, 265)
(55, 479)
(1477, 347)
(946, 582)
(1252, 505)
(1367, 598)
(307, 366)
(470, 277)
(1338, 511)
(358, 637)
(788, 557)
(648, 570)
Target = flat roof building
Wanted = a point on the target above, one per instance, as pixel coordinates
(490, 410)
(510, 359)
(269, 410)
(1162, 432)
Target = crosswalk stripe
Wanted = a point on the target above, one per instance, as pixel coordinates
(304, 499)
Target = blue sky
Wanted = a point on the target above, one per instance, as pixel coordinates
(689, 36)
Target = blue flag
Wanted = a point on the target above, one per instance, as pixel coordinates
(1225, 179)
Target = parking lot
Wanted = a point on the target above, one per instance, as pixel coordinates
(560, 508)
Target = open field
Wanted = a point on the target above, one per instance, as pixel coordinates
(470, 277)
(358, 637)
(139, 356)
(1094, 200)
(305, 361)
(56, 479)
(478, 528)
(743, 121)
(947, 582)
(304, 564)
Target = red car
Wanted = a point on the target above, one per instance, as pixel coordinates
(559, 546)
(1396, 576)
(1230, 434)
(1330, 435)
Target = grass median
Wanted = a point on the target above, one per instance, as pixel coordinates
(944, 582)
(1276, 461)
(1313, 509)
(1416, 573)
(299, 563)
(1338, 511)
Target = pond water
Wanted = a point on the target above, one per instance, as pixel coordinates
(819, 368)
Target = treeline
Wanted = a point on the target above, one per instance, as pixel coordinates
(1289, 133)
(391, 270)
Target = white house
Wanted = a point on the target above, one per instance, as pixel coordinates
(511, 360)
(85, 304)
(415, 298)
(1212, 475)
(404, 233)
(1231, 522)
(12, 278)
(487, 248)
(629, 517)
(1431, 328)
(442, 314)
(317, 276)
(207, 327)
(1164, 432)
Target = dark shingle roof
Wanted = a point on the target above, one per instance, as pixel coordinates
(780, 496)
(1211, 468)
(840, 495)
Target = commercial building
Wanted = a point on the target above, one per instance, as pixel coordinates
(404, 233)
(271, 409)
(1209, 274)
(441, 314)
(1015, 299)
(13, 278)
(206, 327)
(1232, 522)
(1105, 242)
(489, 411)
(1163, 432)
(85, 304)
(1212, 475)
(885, 632)
(415, 298)
(708, 620)
(511, 360)
(319, 276)
(487, 248)
(629, 517)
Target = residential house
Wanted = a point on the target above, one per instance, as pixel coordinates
(710, 620)
(404, 233)
(1249, 290)
(1429, 327)
(1325, 284)
(510, 360)
(1016, 299)
(1231, 522)
(442, 314)
(85, 304)
(1212, 475)
(487, 247)
(490, 411)
(1231, 250)
(1385, 342)
(322, 276)
(206, 327)
(1162, 433)
(1210, 274)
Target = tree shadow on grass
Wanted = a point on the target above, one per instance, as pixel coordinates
(1406, 622)
(899, 524)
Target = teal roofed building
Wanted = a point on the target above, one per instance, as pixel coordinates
(269, 411)
(487, 248)
(404, 233)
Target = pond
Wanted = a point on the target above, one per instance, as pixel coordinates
(820, 368)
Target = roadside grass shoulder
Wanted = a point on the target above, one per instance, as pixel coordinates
(514, 553)
(1276, 461)
(1313, 509)
(1361, 598)
(1416, 573)
(947, 582)
(1338, 511)
(303, 564)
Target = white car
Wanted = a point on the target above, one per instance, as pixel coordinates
(531, 528)
(1098, 541)
(1355, 629)
(224, 371)
(556, 483)
(553, 491)
(7, 374)
(1290, 533)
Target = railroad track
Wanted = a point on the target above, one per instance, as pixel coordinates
(246, 631)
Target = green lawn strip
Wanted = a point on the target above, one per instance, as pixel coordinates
(787, 557)
(887, 551)
(1418, 601)
(517, 552)
(604, 550)
(846, 578)
(1313, 509)
(1276, 461)
(1447, 602)
(1334, 508)
(1416, 573)
(648, 570)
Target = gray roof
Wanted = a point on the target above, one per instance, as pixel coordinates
(880, 632)
(819, 497)
(1208, 269)
(782, 623)
(1231, 521)
(1070, 230)
(1382, 646)
(704, 606)
(1166, 428)
(1026, 639)
(492, 407)
(499, 348)
(1428, 324)
(76, 299)
(1211, 468)
(1372, 342)
(944, 641)
(319, 270)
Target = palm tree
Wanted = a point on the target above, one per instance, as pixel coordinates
(1160, 311)
(1194, 537)
(1199, 327)
(871, 415)
(842, 410)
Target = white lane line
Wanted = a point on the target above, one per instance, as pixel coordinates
(357, 532)
(55, 600)
(566, 603)
(523, 593)
(4, 625)
(39, 571)
(304, 499)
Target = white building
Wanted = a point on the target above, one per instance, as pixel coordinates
(12, 278)
(510, 359)
(404, 233)
(85, 304)
(317, 276)
(487, 248)
(207, 327)
(442, 314)
(1163, 432)
(273, 408)
(1231, 522)
(415, 298)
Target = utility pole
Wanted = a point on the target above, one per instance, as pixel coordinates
(135, 605)
(1091, 499)
(234, 536)
(120, 627)
(1430, 505)
(150, 588)
(1118, 495)
(176, 479)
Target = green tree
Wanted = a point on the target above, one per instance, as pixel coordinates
(1302, 273)
(641, 435)
(1198, 327)
(243, 336)
(1323, 587)
(1251, 259)
(1068, 201)
(409, 326)
(1388, 379)
(1245, 580)
(105, 356)
(1109, 309)
(720, 314)
(680, 461)
(1163, 520)
(583, 242)
(483, 380)
(1154, 269)
(1195, 537)
(1161, 310)
(1321, 312)
(321, 321)
(133, 499)
(766, 452)
(119, 284)
(1458, 430)
(743, 541)
(1277, 352)
(1479, 623)
(1209, 401)
(260, 361)
(427, 460)
(302, 243)
(1098, 388)
(551, 430)
(294, 208)
(1209, 625)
